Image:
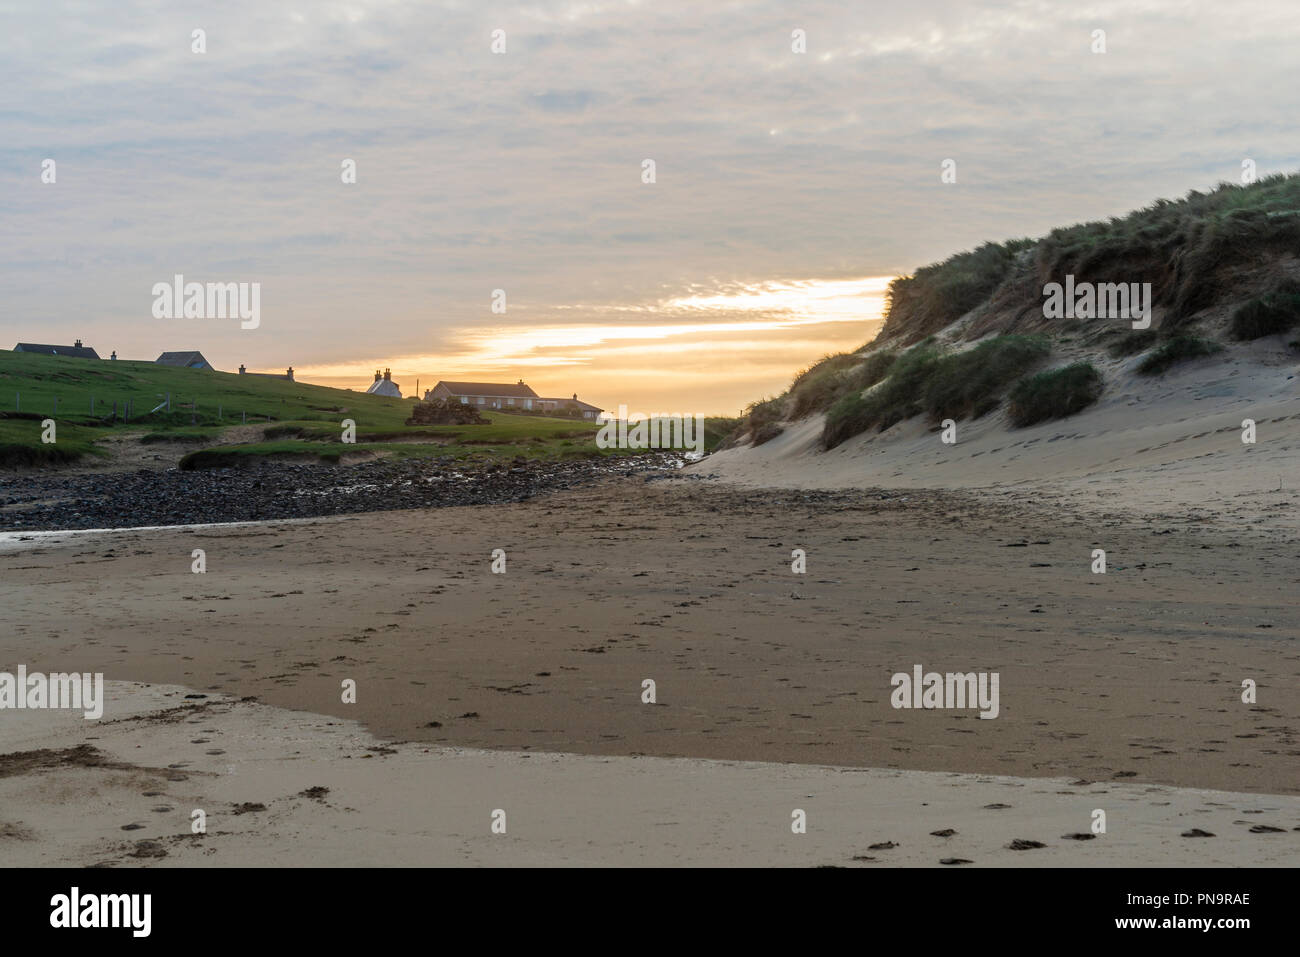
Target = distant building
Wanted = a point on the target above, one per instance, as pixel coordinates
(487, 395)
(185, 360)
(498, 395)
(384, 385)
(288, 375)
(77, 351)
(561, 405)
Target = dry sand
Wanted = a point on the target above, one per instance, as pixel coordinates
(287, 788)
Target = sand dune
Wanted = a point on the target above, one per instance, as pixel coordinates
(1150, 445)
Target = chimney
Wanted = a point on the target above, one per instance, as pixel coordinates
(378, 375)
(521, 381)
(575, 397)
(388, 376)
(290, 373)
(77, 344)
(114, 355)
(242, 370)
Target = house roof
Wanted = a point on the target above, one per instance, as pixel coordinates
(180, 358)
(584, 406)
(385, 387)
(76, 352)
(505, 390)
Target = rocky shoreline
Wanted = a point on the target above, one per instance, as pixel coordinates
(56, 501)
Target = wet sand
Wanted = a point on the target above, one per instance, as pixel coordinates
(1133, 676)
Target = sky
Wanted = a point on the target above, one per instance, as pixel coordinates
(788, 187)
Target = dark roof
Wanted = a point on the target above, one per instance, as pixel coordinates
(516, 391)
(181, 359)
(76, 352)
(584, 406)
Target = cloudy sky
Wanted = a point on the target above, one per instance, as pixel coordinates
(789, 186)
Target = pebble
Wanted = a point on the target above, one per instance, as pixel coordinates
(54, 501)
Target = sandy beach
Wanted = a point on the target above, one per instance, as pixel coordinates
(523, 690)
(677, 435)
(278, 787)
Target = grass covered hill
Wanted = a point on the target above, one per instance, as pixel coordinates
(266, 416)
(969, 335)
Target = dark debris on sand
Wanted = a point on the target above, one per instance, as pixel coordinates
(52, 501)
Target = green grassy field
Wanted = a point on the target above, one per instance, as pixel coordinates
(295, 418)
(75, 382)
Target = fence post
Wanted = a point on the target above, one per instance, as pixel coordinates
(169, 401)
(218, 413)
(243, 418)
(92, 405)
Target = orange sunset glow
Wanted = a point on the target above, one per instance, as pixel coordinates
(658, 356)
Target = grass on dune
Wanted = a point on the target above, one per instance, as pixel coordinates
(1180, 348)
(1269, 315)
(926, 379)
(1182, 246)
(834, 377)
(1054, 394)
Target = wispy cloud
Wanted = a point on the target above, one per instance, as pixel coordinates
(522, 171)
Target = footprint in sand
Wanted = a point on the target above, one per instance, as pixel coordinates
(1021, 844)
(1196, 832)
(955, 860)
